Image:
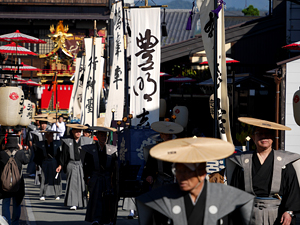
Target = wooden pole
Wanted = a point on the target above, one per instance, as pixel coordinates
(277, 82)
(215, 75)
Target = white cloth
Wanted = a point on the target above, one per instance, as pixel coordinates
(61, 128)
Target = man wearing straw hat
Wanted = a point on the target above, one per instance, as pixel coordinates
(35, 137)
(156, 172)
(267, 174)
(48, 158)
(193, 200)
(71, 159)
(100, 169)
(159, 172)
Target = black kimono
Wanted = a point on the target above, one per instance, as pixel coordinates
(216, 202)
(71, 158)
(100, 172)
(48, 158)
(276, 178)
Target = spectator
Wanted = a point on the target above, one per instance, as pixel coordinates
(22, 158)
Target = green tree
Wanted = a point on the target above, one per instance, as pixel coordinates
(251, 11)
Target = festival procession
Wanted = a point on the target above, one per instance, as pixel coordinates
(150, 112)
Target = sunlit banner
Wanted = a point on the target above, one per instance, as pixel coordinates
(207, 30)
(145, 65)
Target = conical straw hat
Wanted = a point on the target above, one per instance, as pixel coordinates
(263, 123)
(192, 150)
(166, 127)
(100, 126)
(77, 126)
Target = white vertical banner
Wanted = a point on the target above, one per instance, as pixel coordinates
(145, 65)
(115, 100)
(100, 84)
(207, 30)
(92, 74)
(75, 100)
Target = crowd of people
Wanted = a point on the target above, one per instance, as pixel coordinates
(257, 187)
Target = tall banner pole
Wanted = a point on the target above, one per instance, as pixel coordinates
(215, 75)
(125, 64)
(94, 70)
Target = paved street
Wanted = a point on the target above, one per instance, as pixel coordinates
(51, 211)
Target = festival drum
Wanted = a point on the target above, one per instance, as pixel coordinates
(27, 113)
(162, 108)
(182, 115)
(296, 107)
(11, 105)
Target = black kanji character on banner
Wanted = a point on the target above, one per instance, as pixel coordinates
(143, 117)
(117, 75)
(147, 46)
(118, 45)
(118, 19)
(209, 27)
(142, 85)
(90, 105)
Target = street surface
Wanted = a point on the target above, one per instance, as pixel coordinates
(51, 211)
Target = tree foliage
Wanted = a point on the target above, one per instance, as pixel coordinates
(251, 11)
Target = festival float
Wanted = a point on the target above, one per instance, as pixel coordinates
(59, 67)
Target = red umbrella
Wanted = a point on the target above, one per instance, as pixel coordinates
(24, 68)
(30, 83)
(293, 46)
(228, 60)
(15, 49)
(20, 37)
(162, 74)
(180, 79)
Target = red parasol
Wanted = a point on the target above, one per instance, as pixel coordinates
(180, 79)
(228, 60)
(15, 49)
(162, 74)
(24, 67)
(293, 46)
(20, 37)
(30, 83)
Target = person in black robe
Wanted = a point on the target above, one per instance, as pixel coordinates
(193, 200)
(100, 172)
(72, 159)
(48, 158)
(270, 176)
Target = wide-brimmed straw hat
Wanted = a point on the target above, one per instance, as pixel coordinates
(40, 116)
(263, 123)
(100, 126)
(76, 126)
(192, 150)
(45, 119)
(49, 131)
(166, 127)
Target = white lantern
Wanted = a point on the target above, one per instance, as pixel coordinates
(27, 113)
(182, 115)
(162, 107)
(296, 107)
(11, 105)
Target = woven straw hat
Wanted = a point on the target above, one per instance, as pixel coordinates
(263, 123)
(100, 126)
(76, 126)
(50, 131)
(192, 150)
(166, 127)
